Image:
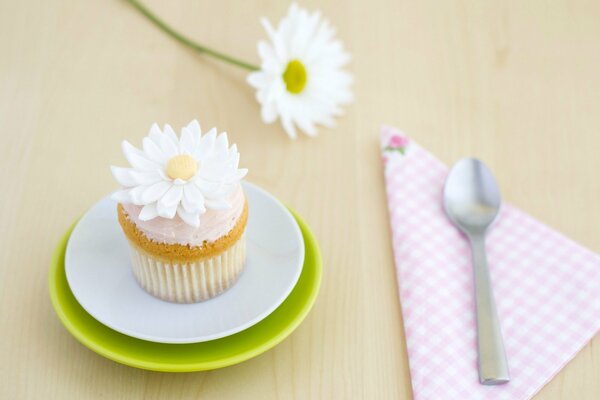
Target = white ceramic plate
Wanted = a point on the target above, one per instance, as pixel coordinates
(99, 274)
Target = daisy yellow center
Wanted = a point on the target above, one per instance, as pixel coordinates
(181, 167)
(295, 77)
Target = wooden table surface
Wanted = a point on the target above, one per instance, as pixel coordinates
(514, 83)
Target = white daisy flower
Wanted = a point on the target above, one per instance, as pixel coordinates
(301, 80)
(179, 176)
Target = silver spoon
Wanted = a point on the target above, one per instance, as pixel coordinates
(472, 201)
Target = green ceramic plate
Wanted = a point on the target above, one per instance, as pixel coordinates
(188, 357)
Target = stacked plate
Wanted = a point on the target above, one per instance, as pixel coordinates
(97, 298)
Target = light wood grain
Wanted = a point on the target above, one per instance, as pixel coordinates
(515, 83)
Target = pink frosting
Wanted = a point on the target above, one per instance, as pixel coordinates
(213, 223)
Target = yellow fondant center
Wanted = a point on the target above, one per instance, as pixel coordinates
(182, 167)
(295, 77)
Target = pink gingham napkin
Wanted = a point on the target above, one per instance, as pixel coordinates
(547, 287)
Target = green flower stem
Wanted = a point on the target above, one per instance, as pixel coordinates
(188, 42)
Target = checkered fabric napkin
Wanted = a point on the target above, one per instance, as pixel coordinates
(547, 287)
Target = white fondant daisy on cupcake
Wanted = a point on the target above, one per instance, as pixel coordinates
(182, 176)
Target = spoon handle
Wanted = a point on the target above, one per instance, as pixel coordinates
(493, 366)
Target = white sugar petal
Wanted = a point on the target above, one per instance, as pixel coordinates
(240, 174)
(166, 211)
(146, 177)
(169, 148)
(122, 196)
(187, 143)
(221, 145)
(206, 187)
(123, 176)
(153, 150)
(193, 200)
(148, 212)
(234, 161)
(194, 127)
(137, 158)
(155, 133)
(189, 218)
(172, 196)
(154, 192)
(211, 171)
(207, 143)
(168, 130)
(135, 194)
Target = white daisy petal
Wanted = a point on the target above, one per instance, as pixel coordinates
(207, 187)
(275, 91)
(154, 133)
(266, 51)
(221, 146)
(146, 177)
(288, 126)
(123, 176)
(278, 45)
(268, 112)
(169, 148)
(306, 126)
(148, 212)
(154, 192)
(189, 218)
(187, 143)
(240, 174)
(212, 171)
(153, 150)
(193, 200)
(206, 145)
(326, 121)
(194, 127)
(257, 79)
(137, 158)
(122, 196)
(166, 211)
(136, 194)
(167, 130)
(172, 196)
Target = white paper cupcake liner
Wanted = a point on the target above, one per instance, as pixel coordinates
(189, 282)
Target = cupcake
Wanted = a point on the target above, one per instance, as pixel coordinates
(184, 213)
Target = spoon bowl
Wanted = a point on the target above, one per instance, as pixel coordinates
(471, 196)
